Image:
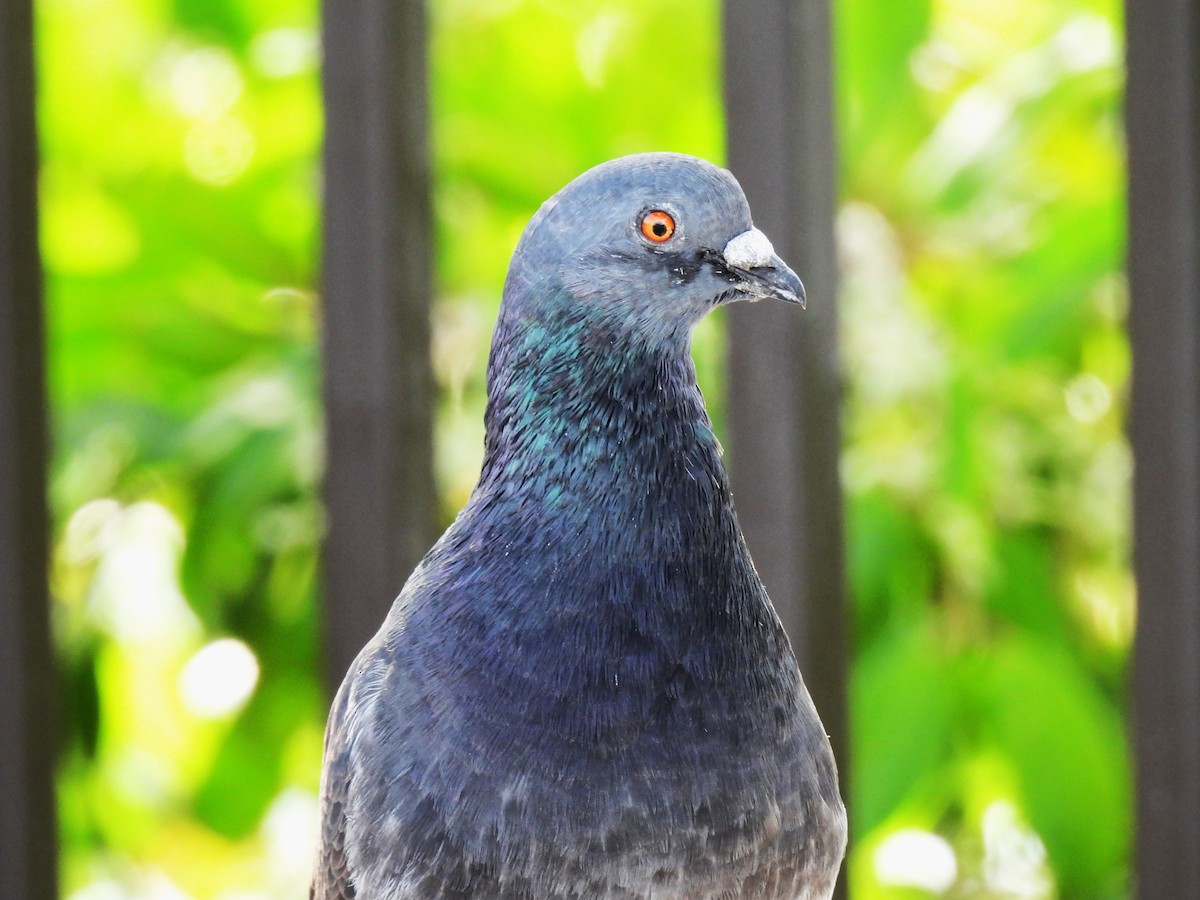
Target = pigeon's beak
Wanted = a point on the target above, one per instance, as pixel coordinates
(764, 274)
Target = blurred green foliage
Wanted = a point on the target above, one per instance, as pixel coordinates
(180, 209)
(986, 373)
(985, 466)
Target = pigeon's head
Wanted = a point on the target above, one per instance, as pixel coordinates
(649, 243)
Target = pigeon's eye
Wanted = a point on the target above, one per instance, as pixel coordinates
(658, 226)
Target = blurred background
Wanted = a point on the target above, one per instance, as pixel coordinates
(986, 371)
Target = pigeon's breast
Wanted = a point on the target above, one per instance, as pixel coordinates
(700, 781)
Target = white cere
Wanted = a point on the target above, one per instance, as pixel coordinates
(749, 250)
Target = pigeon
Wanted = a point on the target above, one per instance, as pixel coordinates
(583, 690)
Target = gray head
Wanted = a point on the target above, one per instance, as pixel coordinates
(650, 243)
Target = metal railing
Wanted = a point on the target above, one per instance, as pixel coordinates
(27, 671)
(1162, 104)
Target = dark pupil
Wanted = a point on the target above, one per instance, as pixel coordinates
(659, 228)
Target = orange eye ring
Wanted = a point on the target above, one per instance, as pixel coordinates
(658, 226)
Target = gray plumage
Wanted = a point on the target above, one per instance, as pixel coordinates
(583, 690)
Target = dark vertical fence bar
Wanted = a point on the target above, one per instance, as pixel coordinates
(379, 488)
(28, 867)
(1163, 126)
(783, 363)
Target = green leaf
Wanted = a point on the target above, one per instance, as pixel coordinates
(1066, 742)
(901, 712)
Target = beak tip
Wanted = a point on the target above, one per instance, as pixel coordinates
(788, 285)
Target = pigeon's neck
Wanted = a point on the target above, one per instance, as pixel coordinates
(586, 417)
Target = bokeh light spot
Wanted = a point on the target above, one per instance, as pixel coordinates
(218, 151)
(219, 678)
(911, 857)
